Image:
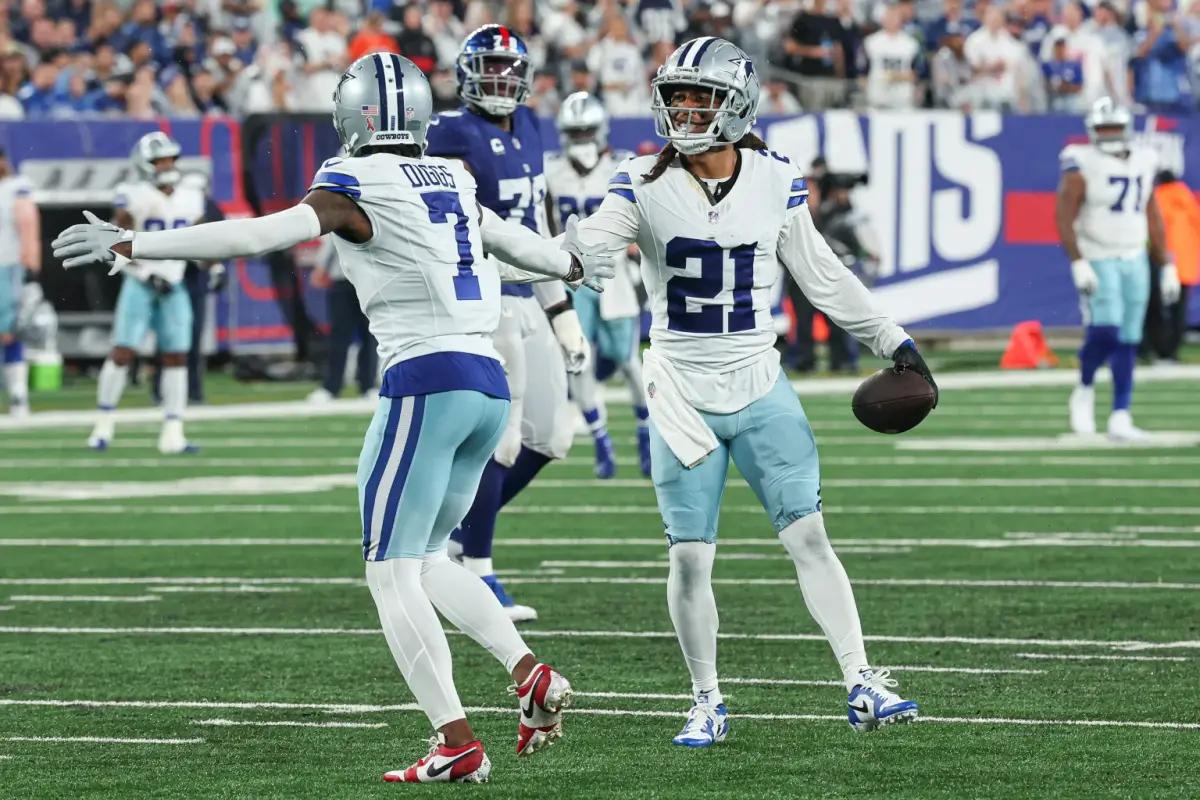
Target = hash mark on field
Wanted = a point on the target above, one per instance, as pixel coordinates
(613, 634)
(228, 589)
(97, 740)
(229, 723)
(1069, 657)
(83, 598)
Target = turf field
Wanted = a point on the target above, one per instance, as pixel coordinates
(198, 627)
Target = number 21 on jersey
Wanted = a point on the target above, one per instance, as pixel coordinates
(710, 317)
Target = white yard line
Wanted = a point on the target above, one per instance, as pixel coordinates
(1129, 645)
(230, 723)
(872, 482)
(79, 598)
(96, 740)
(227, 589)
(159, 580)
(229, 705)
(1157, 440)
(224, 485)
(1158, 528)
(1070, 657)
(7, 608)
(635, 695)
(157, 463)
(615, 712)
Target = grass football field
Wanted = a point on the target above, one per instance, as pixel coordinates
(199, 627)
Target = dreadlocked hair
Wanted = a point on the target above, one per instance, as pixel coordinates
(668, 153)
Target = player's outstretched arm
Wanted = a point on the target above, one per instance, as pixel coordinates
(515, 244)
(98, 242)
(833, 289)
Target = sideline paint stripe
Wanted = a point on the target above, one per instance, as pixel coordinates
(230, 723)
(96, 740)
(80, 598)
(611, 634)
(617, 712)
(1069, 657)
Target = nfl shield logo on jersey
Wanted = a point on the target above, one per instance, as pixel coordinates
(651, 389)
(713, 216)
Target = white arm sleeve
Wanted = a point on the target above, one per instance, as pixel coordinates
(614, 224)
(232, 238)
(832, 288)
(515, 244)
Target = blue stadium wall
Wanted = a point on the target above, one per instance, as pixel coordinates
(963, 205)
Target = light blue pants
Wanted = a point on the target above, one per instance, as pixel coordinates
(420, 466)
(10, 296)
(773, 447)
(614, 338)
(1122, 297)
(141, 308)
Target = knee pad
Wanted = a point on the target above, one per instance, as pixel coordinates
(806, 539)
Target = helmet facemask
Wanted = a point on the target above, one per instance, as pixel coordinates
(1111, 138)
(169, 176)
(684, 123)
(496, 83)
(582, 145)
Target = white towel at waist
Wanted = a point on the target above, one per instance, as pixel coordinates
(675, 419)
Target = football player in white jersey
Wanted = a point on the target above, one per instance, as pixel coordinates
(20, 252)
(577, 179)
(1106, 214)
(411, 238)
(716, 216)
(152, 292)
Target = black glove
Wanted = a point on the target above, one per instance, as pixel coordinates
(160, 285)
(907, 357)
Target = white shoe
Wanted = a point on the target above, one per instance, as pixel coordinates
(102, 434)
(172, 441)
(1083, 409)
(872, 703)
(18, 411)
(706, 725)
(1122, 429)
(320, 396)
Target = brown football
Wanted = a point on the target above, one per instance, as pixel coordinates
(893, 402)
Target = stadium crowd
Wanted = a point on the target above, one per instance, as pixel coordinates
(183, 58)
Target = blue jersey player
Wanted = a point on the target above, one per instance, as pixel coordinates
(500, 142)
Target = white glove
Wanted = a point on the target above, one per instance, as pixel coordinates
(568, 331)
(1168, 284)
(1084, 276)
(91, 243)
(597, 263)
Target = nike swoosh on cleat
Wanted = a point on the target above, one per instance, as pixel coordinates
(528, 711)
(865, 709)
(433, 772)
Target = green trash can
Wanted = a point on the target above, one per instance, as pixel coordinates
(45, 371)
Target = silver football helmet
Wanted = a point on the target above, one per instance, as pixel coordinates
(149, 149)
(1105, 113)
(382, 100)
(583, 129)
(716, 65)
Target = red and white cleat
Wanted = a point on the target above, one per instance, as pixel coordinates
(465, 764)
(541, 699)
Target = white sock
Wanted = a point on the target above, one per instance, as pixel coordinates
(827, 592)
(479, 566)
(16, 380)
(415, 637)
(694, 614)
(585, 395)
(632, 370)
(110, 385)
(174, 392)
(470, 606)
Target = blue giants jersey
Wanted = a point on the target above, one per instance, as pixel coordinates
(507, 166)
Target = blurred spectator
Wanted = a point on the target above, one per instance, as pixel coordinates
(244, 40)
(446, 30)
(106, 22)
(580, 78)
(762, 24)
(139, 98)
(1116, 48)
(543, 96)
(950, 71)
(617, 63)
(1064, 79)
(37, 96)
(1160, 68)
(1082, 46)
(291, 21)
(851, 39)
(1035, 18)
(660, 21)
(372, 38)
(952, 18)
(224, 65)
(778, 100)
(204, 93)
(325, 60)
(177, 100)
(519, 18)
(995, 58)
(892, 57)
(415, 45)
(75, 97)
(565, 36)
(813, 49)
(142, 28)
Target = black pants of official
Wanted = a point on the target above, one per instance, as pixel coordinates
(195, 282)
(801, 355)
(1165, 325)
(346, 320)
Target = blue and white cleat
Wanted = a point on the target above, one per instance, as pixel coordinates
(515, 611)
(606, 457)
(873, 704)
(643, 440)
(705, 726)
(102, 435)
